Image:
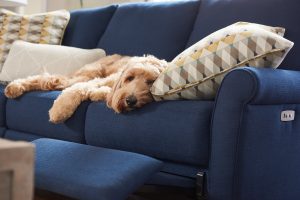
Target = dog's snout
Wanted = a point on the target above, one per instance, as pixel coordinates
(131, 100)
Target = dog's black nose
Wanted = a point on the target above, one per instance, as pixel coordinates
(131, 100)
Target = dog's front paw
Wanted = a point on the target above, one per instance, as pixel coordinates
(63, 107)
(57, 115)
(14, 90)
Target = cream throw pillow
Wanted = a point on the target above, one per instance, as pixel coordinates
(197, 72)
(43, 28)
(27, 59)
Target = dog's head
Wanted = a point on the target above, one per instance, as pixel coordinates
(132, 90)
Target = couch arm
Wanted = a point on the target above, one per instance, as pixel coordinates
(254, 155)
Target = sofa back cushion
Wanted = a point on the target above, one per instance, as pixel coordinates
(160, 29)
(86, 27)
(215, 14)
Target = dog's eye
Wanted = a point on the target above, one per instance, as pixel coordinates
(129, 78)
(150, 82)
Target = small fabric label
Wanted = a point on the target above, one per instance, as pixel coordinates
(287, 115)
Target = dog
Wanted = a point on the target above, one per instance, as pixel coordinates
(123, 82)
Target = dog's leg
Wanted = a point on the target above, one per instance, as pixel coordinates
(105, 67)
(67, 102)
(99, 94)
(70, 98)
(38, 82)
(43, 82)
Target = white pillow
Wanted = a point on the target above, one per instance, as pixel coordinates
(27, 59)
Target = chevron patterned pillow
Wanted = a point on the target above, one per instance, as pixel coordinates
(44, 28)
(197, 72)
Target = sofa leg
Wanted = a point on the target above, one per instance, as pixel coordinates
(200, 186)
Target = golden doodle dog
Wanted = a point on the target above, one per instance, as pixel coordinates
(123, 82)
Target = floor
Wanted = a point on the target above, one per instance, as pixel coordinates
(145, 193)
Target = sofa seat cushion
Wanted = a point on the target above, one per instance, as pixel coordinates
(86, 26)
(87, 172)
(176, 131)
(29, 113)
(2, 106)
(160, 29)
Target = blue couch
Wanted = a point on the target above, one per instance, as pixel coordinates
(238, 141)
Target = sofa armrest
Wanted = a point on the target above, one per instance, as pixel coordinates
(273, 86)
(254, 155)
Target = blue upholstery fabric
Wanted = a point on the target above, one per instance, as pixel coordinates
(175, 131)
(167, 179)
(216, 14)
(240, 88)
(2, 131)
(17, 135)
(86, 27)
(276, 86)
(237, 89)
(267, 165)
(29, 113)
(87, 172)
(176, 174)
(160, 29)
(180, 169)
(2, 106)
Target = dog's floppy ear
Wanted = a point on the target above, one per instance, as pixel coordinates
(109, 99)
(159, 64)
(109, 96)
